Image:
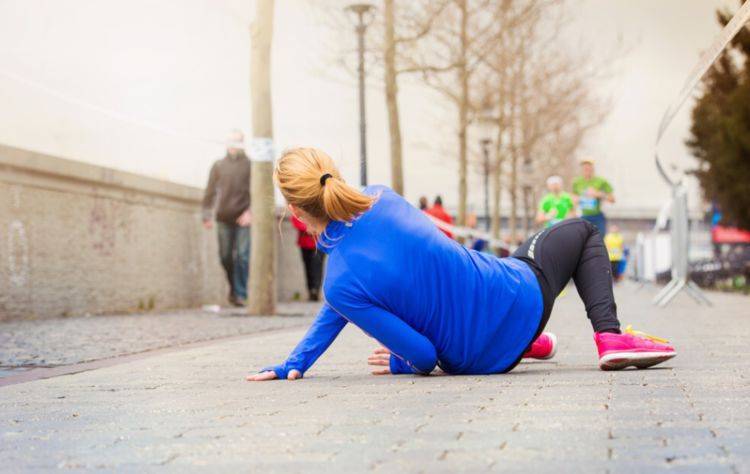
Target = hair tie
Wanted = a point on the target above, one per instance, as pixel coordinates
(324, 178)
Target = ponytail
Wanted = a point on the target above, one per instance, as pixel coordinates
(308, 179)
(342, 202)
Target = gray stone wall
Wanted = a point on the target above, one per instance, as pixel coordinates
(77, 238)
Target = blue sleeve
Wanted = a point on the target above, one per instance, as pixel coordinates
(411, 351)
(327, 325)
(399, 366)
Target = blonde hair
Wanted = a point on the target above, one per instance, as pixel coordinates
(300, 174)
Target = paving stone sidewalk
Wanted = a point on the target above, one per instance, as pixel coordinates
(192, 411)
(62, 341)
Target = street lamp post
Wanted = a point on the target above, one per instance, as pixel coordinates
(361, 10)
(486, 127)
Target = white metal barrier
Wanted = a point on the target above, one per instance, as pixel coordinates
(680, 245)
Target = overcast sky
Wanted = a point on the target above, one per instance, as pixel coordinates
(139, 85)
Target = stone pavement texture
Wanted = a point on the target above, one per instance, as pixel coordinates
(191, 410)
(28, 344)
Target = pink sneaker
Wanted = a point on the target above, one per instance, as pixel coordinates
(544, 347)
(632, 348)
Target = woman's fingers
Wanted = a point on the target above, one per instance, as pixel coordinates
(379, 359)
(270, 375)
(380, 356)
(267, 375)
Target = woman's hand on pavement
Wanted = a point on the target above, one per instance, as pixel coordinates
(271, 375)
(381, 357)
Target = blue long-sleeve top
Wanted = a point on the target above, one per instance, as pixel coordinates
(423, 296)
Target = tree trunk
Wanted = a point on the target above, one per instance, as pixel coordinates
(463, 115)
(497, 171)
(513, 190)
(495, 220)
(513, 187)
(391, 99)
(262, 287)
(517, 133)
(526, 209)
(525, 146)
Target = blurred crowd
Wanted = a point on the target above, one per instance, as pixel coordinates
(585, 198)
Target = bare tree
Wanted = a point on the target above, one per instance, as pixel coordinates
(504, 53)
(414, 22)
(504, 69)
(461, 35)
(542, 101)
(403, 25)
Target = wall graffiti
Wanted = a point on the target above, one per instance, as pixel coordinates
(18, 253)
(16, 193)
(102, 228)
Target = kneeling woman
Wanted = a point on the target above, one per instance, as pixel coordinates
(432, 302)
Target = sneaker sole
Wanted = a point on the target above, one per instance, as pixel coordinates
(639, 360)
(554, 347)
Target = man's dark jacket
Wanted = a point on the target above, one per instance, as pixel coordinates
(228, 188)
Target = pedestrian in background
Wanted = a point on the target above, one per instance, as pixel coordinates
(590, 190)
(556, 205)
(437, 211)
(614, 243)
(477, 243)
(423, 203)
(312, 259)
(227, 196)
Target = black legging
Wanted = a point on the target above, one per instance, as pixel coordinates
(573, 248)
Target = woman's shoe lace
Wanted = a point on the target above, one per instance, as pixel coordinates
(629, 330)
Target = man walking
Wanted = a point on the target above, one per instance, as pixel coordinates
(228, 191)
(590, 191)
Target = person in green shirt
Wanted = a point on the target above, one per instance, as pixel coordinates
(555, 205)
(589, 191)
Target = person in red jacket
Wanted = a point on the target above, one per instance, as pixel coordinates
(438, 212)
(312, 259)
